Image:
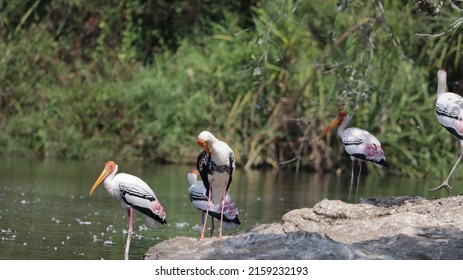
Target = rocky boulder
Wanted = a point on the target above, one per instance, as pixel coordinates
(391, 228)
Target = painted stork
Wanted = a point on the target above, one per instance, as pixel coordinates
(198, 196)
(217, 173)
(359, 144)
(132, 192)
(449, 111)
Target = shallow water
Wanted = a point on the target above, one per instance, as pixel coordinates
(46, 213)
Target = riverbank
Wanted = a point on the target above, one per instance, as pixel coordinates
(391, 228)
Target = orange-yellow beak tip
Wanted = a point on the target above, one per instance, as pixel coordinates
(102, 176)
(92, 190)
(332, 124)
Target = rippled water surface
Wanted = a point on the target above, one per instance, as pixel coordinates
(46, 213)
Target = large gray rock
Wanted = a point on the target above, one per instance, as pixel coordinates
(393, 228)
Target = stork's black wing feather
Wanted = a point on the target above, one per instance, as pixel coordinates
(202, 165)
(231, 157)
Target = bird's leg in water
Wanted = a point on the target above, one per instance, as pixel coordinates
(129, 235)
(358, 181)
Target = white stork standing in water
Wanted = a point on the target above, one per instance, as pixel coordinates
(132, 192)
(198, 196)
(217, 174)
(359, 144)
(449, 110)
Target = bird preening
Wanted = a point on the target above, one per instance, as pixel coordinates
(133, 193)
(216, 163)
(359, 144)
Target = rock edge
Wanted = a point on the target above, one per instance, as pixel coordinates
(389, 228)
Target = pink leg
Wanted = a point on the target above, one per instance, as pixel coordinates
(211, 232)
(129, 235)
(221, 212)
(207, 212)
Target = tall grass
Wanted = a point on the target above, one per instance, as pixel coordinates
(267, 86)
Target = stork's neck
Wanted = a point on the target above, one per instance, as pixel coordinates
(343, 125)
(107, 180)
(213, 139)
(441, 83)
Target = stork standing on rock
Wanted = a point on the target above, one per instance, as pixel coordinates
(217, 174)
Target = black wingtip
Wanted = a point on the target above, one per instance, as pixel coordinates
(383, 163)
(225, 219)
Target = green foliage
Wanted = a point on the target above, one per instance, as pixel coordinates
(140, 79)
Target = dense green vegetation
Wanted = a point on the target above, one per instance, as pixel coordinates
(140, 79)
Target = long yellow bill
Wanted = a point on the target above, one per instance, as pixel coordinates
(103, 175)
(332, 124)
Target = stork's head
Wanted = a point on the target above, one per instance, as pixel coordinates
(196, 173)
(205, 139)
(194, 177)
(109, 168)
(441, 81)
(336, 121)
(441, 74)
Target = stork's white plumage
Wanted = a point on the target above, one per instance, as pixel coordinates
(449, 111)
(132, 192)
(198, 196)
(359, 144)
(219, 170)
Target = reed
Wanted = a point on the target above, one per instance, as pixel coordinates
(266, 82)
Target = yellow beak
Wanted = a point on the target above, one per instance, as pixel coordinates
(103, 175)
(332, 124)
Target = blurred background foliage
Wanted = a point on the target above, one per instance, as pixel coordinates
(140, 79)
